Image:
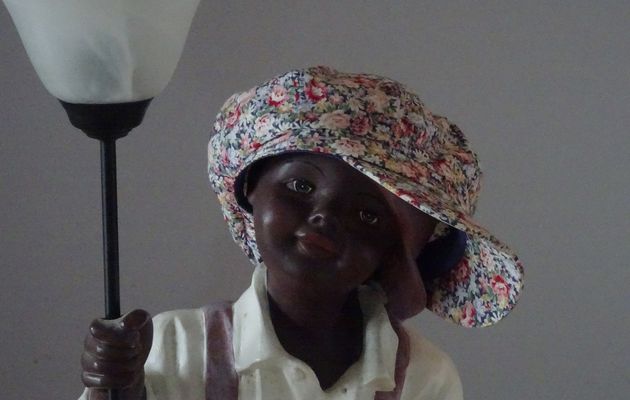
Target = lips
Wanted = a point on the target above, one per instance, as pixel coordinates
(317, 245)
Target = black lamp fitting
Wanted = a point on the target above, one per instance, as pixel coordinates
(106, 121)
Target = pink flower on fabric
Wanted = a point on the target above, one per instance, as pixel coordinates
(421, 138)
(377, 100)
(245, 97)
(486, 257)
(347, 82)
(467, 318)
(245, 142)
(278, 96)
(360, 125)
(335, 99)
(441, 166)
(403, 128)
(249, 144)
(463, 271)
(335, 120)
(365, 81)
(225, 157)
(263, 124)
(310, 116)
(229, 184)
(406, 195)
(411, 170)
(284, 136)
(391, 89)
(232, 117)
(500, 287)
(315, 91)
(349, 147)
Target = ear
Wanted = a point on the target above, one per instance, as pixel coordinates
(439, 256)
(247, 181)
(248, 189)
(244, 190)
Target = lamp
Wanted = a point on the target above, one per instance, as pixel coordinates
(104, 60)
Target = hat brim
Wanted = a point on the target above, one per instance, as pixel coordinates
(486, 284)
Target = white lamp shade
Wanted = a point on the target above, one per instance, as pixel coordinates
(103, 51)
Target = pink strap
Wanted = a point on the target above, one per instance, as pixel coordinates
(221, 376)
(402, 361)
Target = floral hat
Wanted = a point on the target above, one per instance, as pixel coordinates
(383, 130)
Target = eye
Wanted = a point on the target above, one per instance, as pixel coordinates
(300, 186)
(368, 217)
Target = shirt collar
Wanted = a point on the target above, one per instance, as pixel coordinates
(254, 338)
(255, 341)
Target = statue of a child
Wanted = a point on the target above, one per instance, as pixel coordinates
(354, 202)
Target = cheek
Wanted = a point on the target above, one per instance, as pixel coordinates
(268, 224)
(367, 256)
(379, 248)
(274, 225)
(267, 219)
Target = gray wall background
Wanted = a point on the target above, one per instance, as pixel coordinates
(542, 89)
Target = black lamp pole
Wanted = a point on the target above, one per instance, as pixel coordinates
(108, 122)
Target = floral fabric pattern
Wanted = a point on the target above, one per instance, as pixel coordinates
(383, 130)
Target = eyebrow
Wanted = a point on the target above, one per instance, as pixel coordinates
(311, 164)
(378, 199)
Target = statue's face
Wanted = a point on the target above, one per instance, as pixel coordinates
(321, 222)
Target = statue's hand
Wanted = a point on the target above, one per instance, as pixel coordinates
(114, 354)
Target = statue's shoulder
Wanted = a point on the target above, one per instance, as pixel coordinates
(185, 322)
(430, 369)
(178, 319)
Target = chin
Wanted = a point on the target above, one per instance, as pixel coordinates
(312, 268)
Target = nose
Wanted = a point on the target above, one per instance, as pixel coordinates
(322, 219)
(324, 216)
(319, 219)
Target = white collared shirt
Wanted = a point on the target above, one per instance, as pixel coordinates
(175, 367)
